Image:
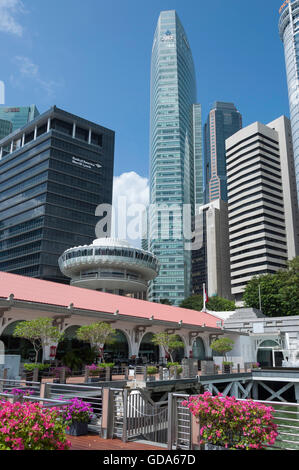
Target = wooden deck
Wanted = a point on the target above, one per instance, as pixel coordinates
(94, 442)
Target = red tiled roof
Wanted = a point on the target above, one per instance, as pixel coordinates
(52, 293)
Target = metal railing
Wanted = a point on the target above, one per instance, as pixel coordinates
(286, 416)
(6, 385)
(117, 412)
(179, 423)
(89, 394)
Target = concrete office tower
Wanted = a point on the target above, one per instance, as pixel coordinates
(259, 181)
(19, 116)
(289, 34)
(54, 172)
(223, 121)
(5, 128)
(198, 155)
(172, 161)
(211, 261)
(282, 126)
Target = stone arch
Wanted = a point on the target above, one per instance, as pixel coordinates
(180, 353)
(72, 352)
(265, 352)
(120, 349)
(18, 346)
(147, 350)
(198, 349)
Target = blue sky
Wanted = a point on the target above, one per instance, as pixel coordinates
(92, 58)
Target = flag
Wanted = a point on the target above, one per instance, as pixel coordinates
(206, 297)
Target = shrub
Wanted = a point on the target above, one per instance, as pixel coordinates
(20, 392)
(56, 371)
(233, 424)
(103, 365)
(28, 426)
(29, 367)
(77, 412)
(172, 365)
(151, 370)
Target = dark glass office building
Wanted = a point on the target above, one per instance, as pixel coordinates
(5, 128)
(223, 121)
(54, 172)
(19, 116)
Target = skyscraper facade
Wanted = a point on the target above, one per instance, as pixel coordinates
(172, 161)
(289, 34)
(19, 116)
(262, 203)
(5, 128)
(54, 172)
(223, 121)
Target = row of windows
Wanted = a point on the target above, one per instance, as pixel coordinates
(256, 265)
(256, 241)
(249, 258)
(110, 252)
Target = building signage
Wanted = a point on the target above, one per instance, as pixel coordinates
(85, 163)
(168, 36)
(12, 110)
(283, 5)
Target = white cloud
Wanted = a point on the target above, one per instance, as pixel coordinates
(133, 186)
(29, 70)
(9, 9)
(135, 189)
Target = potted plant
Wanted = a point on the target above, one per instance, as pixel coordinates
(228, 423)
(151, 372)
(105, 369)
(172, 366)
(30, 368)
(223, 346)
(227, 367)
(20, 393)
(77, 416)
(58, 371)
(93, 373)
(255, 365)
(29, 426)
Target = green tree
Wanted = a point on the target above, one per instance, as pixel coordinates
(97, 335)
(169, 342)
(40, 332)
(279, 292)
(222, 345)
(215, 303)
(165, 302)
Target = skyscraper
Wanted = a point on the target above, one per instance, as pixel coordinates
(289, 34)
(223, 121)
(172, 160)
(54, 172)
(5, 128)
(262, 203)
(19, 116)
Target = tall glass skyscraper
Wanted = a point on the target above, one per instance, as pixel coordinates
(289, 34)
(19, 116)
(5, 128)
(224, 120)
(174, 148)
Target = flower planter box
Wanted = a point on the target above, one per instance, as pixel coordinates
(151, 378)
(227, 369)
(93, 379)
(77, 429)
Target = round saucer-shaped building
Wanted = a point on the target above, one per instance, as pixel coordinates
(110, 265)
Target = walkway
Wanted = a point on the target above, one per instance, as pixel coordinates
(94, 442)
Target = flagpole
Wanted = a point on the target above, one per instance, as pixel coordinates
(204, 297)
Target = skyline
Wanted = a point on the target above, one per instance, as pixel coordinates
(90, 53)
